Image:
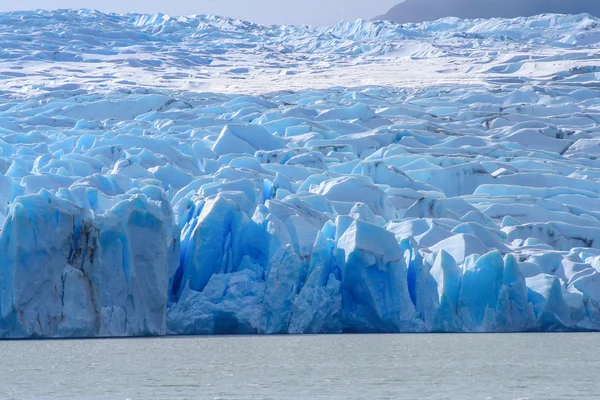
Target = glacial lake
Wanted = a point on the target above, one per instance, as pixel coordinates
(485, 366)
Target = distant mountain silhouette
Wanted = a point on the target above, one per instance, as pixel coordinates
(430, 10)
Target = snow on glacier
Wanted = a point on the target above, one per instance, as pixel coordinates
(204, 175)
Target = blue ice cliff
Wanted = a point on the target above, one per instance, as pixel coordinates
(203, 175)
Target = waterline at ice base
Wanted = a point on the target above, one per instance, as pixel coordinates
(203, 175)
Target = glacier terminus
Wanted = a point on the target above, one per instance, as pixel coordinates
(203, 175)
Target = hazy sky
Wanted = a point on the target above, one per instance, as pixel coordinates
(315, 12)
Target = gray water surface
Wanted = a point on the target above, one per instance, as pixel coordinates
(530, 366)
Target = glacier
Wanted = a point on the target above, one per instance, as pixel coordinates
(203, 175)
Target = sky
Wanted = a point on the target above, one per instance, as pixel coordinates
(311, 12)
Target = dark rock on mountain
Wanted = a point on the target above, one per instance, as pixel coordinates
(430, 10)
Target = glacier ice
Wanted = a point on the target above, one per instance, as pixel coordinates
(67, 271)
(203, 175)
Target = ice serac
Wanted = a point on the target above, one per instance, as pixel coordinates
(68, 273)
(38, 243)
(375, 295)
(479, 292)
(245, 139)
(213, 241)
(546, 296)
(421, 285)
(493, 296)
(447, 276)
(514, 313)
(132, 281)
(318, 306)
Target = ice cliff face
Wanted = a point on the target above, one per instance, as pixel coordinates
(67, 271)
(460, 205)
